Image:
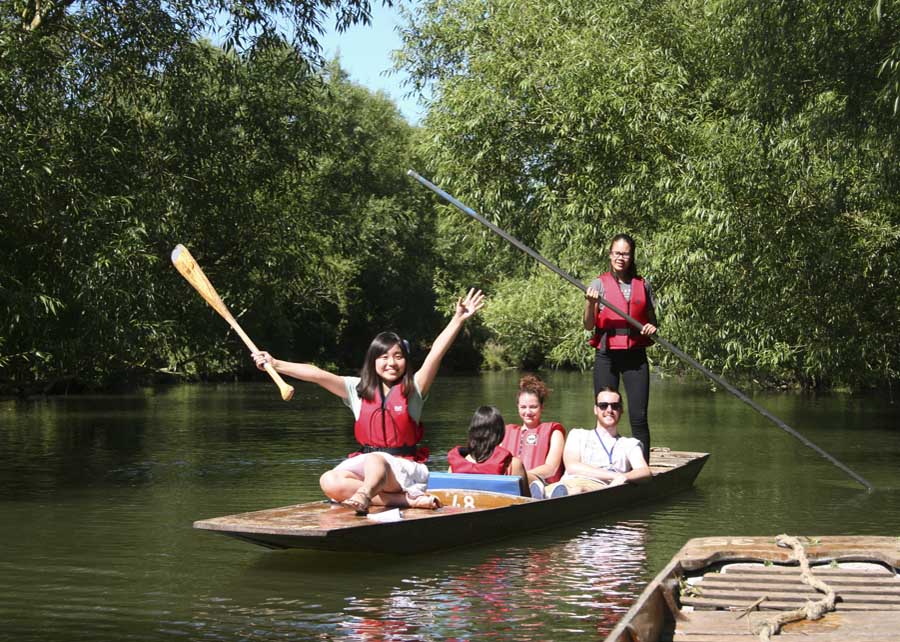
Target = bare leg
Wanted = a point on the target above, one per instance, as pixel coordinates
(377, 481)
(518, 470)
(339, 484)
(386, 490)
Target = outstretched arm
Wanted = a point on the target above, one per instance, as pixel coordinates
(465, 308)
(304, 372)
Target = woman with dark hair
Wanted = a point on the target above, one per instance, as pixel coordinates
(621, 349)
(386, 400)
(483, 453)
(539, 444)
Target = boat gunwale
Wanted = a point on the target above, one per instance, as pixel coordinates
(658, 595)
(696, 459)
(423, 532)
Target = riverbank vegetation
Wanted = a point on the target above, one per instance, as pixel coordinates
(752, 149)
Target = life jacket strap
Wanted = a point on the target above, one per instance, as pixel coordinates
(400, 451)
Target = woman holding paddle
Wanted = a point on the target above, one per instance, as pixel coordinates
(621, 349)
(386, 400)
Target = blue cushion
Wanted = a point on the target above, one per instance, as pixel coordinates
(470, 481)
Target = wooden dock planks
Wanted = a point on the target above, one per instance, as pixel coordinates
(713, 590)
(868, 606)
(721, 626)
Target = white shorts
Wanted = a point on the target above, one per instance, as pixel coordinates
(412, 476)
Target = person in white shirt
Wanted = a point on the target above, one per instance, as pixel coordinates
(601, 457)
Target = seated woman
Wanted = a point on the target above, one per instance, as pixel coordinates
(483, 454)
(386, 401)
(539, 444)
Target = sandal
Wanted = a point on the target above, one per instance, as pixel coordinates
(423, 501)
(359, 502)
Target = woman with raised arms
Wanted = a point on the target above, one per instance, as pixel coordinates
(386, 400)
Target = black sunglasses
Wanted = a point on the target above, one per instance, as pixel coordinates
(603, 405)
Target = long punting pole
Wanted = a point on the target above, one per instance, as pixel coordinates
(637, 324)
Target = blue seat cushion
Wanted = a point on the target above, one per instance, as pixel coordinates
(506, 484)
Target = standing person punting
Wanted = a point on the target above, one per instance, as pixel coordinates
(621, 350)
(386, 400)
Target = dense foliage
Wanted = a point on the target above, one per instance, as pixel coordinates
(752, 148)
(127, 135)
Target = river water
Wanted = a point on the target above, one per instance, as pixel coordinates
(98, 494)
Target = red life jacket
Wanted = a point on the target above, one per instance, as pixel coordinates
(620, 335)
(532, 445)
(496, 464)
(385, 426)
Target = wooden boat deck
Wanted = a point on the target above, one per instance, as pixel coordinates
(466, 516)
(717, 589)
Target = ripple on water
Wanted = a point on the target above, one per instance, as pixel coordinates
(98, 497)
(561, 589)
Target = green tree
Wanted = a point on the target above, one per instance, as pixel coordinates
(245, 155)
(746, 145)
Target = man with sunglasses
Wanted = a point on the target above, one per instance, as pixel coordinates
(601, 457)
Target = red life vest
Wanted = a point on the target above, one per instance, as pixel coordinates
(532, 445)
(620, 335)
(385, 426)
(496, 464)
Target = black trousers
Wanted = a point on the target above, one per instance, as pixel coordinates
(632, 367)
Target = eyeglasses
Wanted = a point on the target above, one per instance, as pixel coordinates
(615, 405)
(621, 255)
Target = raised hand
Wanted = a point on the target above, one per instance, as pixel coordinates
(468, 306)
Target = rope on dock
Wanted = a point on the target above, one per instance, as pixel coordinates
(813, 610)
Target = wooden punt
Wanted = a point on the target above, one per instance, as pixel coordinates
(712, 591)
(467, 516)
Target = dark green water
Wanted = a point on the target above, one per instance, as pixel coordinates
(98, 495)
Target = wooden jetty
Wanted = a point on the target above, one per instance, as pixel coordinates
(726, 589)
(467, 516)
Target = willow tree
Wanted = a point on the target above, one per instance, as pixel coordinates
(746, 145)
(127, 133)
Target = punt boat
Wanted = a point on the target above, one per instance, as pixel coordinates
(466, 517)
(726, 589)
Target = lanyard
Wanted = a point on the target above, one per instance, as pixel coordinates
(608, 451)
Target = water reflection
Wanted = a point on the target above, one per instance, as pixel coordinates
(562, 590)
(567, 585)
(98, 496)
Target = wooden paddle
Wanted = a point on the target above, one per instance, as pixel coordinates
(637, 324)
(189, 269)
